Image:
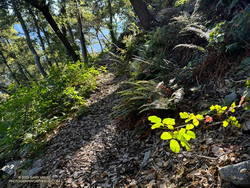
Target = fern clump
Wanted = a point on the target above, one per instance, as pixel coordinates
(142, 96)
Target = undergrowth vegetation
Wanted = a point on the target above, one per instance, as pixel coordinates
(182, 65)
(33, 110)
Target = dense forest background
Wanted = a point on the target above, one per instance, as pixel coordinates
(168, 59)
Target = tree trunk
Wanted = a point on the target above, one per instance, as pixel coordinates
(82, 39)
(4, 89)
(91, 47)
(84, 50)
(99, 41)
(71, 34)
(27, 72)
(39, 36)
(45, 10)
(110, 24)
(107, 41)
(141, 10)
(47, 39)
(20, 68)
(13, 75)
(28, 39)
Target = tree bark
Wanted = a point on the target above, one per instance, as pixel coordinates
(44, 8)
(4, 89)
(47, 39)
(13, 75)
(27, 72)
(28, 39)
(84, 50)
(82, 39)
(107, 41)
(20, 68)
(71, 34)
(99, 41)
(141, 10)
(110, 24)
(39, 36)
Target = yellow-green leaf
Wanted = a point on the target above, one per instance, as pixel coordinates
(156, 125)
(212, 108)
(187, 137)
(225, 123)
(186, 145)
(191, 133)
(199, 117)
(154, 119)
(182, 131)
(237, 124)
(175, 146)
(184, 115)
(232, 118)
(233, 105)
(169, 121)
(232, 110)
(224, 108)
(166, 136)
(171, 127)
(196, 122)
(189, 126)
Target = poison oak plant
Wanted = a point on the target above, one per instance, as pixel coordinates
(179, 136)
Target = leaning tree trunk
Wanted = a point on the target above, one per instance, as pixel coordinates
(47, 40)
(20, 68)
(28, 39)
(141, 10)
(28, 73)
(98, 38)
(39, 36)
(13, 55)
(44, 8)
(13, 75)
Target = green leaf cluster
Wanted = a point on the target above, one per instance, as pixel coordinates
(31, 111)
(181, 135)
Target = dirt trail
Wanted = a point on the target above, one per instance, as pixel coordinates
(91, 151)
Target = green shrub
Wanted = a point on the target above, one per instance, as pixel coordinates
(217, 34)
(31, 111)
(231, 36)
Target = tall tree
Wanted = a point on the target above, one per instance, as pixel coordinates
(98, 39)
(110, 23)
(28, 39)
(81, 33)
(4, 60)
(38, 31)
(42, 6)
(141, 10)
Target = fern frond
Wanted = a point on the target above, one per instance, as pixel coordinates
(197, 31)
(191, 46)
